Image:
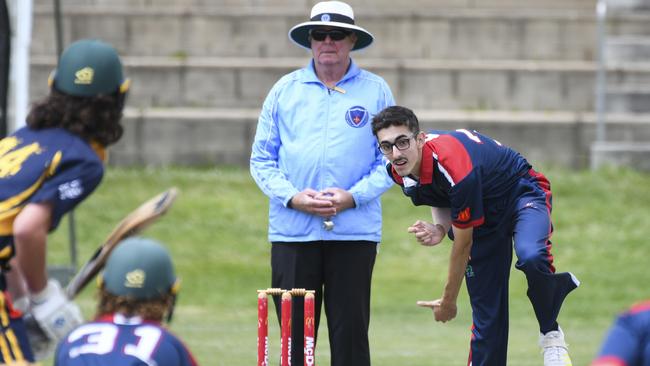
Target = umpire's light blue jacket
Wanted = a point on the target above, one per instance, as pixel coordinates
(309, 136)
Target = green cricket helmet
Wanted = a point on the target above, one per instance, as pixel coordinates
(87, 68)
(140, 268)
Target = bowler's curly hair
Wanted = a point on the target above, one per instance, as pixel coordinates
(152, 309)
(94, 118)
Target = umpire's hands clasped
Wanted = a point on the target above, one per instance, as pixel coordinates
(313, 202)
(340, 198)
(326, 203)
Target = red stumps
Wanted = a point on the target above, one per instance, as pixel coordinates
(285, 342)
(285, 325)
(310, 325)
(262, 329)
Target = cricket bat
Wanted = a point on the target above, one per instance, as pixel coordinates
(133, 223)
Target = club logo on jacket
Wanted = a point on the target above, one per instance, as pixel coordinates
(357, 116)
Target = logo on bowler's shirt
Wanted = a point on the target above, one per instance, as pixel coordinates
(357, 116)
(464, 215)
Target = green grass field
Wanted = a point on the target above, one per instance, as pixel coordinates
(217, 234)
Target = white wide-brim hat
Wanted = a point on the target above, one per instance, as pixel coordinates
(330, 14)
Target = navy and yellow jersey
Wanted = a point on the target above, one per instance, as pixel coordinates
(49, 165)
(118, 340)
(628, 341)
(464, 171)
(14, 343)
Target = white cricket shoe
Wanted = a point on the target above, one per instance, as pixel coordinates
(554, 348)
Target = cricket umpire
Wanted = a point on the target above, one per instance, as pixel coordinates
(315, 157)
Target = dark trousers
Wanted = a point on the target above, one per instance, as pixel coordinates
(487, 276)
(341, 273)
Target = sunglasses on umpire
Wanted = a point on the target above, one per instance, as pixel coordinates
(335, 34)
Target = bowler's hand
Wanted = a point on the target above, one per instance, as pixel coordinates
(427, 233)
(340, 198)
(311, 202)
(442, 311)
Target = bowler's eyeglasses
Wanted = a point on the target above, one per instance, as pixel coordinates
(401, 143)
(335, 34)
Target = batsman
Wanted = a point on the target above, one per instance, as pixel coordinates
(488, 198)
(46, 169)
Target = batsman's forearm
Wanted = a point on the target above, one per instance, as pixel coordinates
(31, 261)
(30, 231)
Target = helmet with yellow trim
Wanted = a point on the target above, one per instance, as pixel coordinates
(88, 68)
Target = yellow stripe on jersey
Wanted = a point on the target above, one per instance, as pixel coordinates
(12, 202)
(10, 208)
(4, 350)
(15, 346)
(54, 163)
(4, 317)
(6, 253)
(11, 352)
(7, 221)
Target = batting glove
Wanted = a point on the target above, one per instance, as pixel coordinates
(54, 312)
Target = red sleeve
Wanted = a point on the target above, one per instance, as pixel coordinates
(466, 194)
(454, 160)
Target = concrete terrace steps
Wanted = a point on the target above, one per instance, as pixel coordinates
(627, 94)
(521, 71)
(357, 4)
(457, 118)
(552, 33)
(428, 117)
(205, 136)
(419, 83)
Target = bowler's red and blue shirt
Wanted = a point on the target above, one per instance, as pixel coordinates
(464, 171)
(48, 165)
(125, 341)
(628, 341)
